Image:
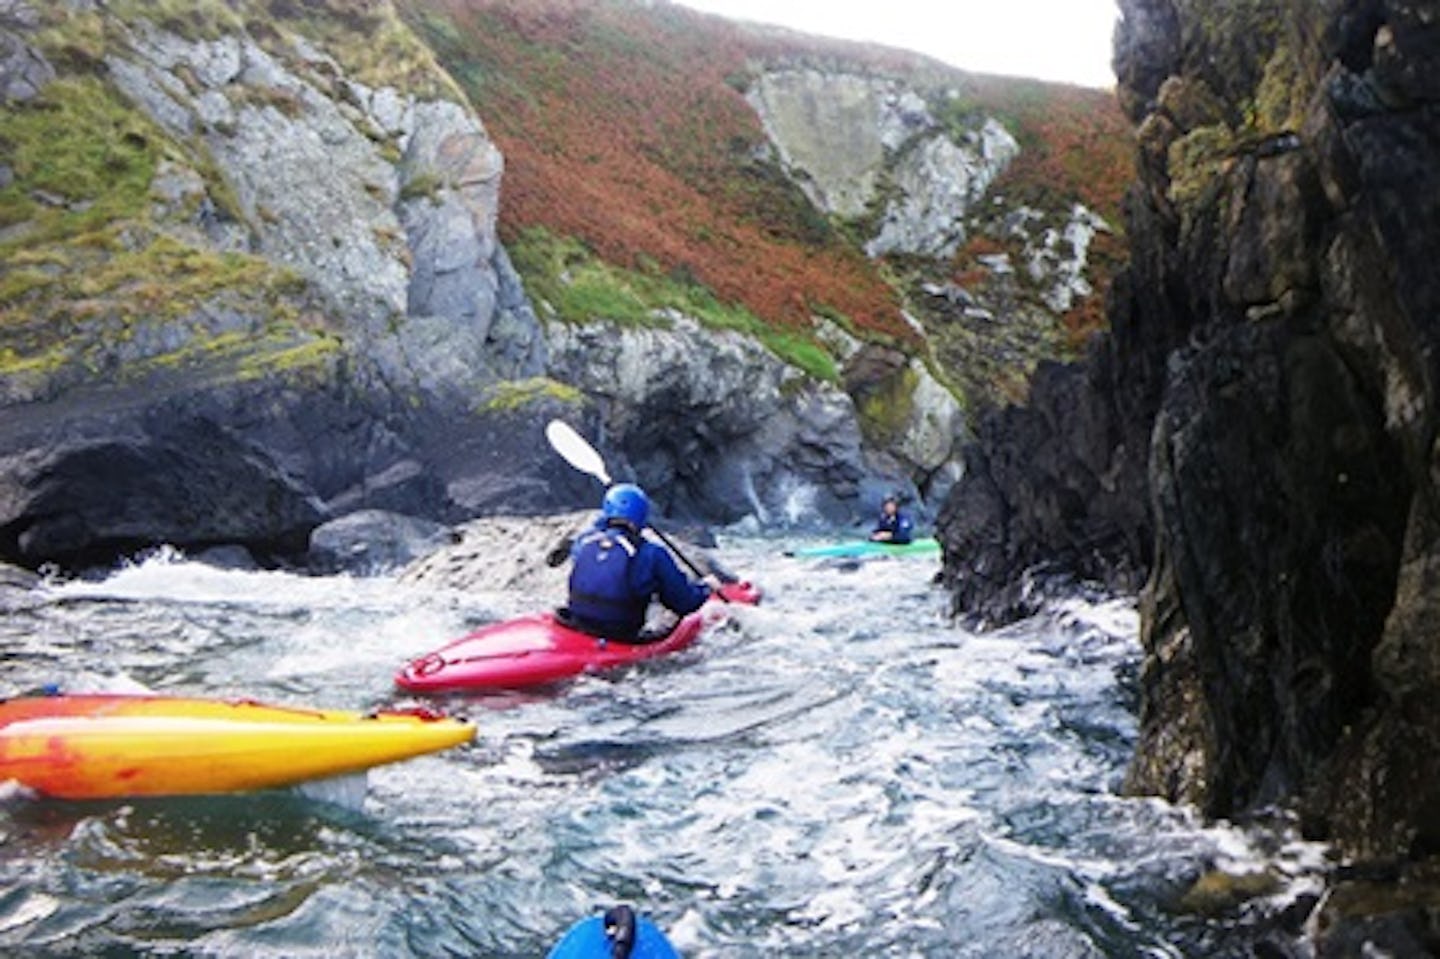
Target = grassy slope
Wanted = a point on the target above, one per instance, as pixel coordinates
(624, 126)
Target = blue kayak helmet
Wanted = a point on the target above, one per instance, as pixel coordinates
(628, 502)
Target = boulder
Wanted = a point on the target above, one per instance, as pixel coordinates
(525, 556)
(502, 554)
(372, 541)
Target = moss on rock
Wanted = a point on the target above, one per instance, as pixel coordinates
(509, 395)
(886, 408)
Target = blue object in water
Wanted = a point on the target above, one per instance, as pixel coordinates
(589, 939)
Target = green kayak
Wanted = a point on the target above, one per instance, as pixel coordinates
(927, 546)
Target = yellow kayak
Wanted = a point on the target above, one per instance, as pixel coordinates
(105, 746)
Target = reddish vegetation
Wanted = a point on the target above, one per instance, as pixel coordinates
(622, 125)
(619, 128)
(1074, 142)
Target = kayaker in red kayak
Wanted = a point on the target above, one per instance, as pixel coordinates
(894, 525)
(616, 573)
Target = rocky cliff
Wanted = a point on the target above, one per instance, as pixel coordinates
(252, 274)
(251, 281)
(1258, 429)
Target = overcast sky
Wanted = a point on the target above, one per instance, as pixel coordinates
(1062, 40)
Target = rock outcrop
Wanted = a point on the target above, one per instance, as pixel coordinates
(1054, 495)
(514, 556)
(1273, 354)
(715, 424)
(863, 145)
(24, 71)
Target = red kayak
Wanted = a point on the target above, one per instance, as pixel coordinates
(539, 649)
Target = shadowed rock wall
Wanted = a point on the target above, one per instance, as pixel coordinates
(1257, 430)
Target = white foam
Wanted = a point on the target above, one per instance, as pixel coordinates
(347, 792)
(36, 906)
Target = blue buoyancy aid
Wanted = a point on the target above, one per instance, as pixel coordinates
(600, 590)
(900, 527)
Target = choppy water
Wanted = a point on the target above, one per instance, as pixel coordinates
(838, 772)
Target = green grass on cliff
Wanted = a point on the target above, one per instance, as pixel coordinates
(366, 37)
(576, 286)
(82, 265)
(510, 395)
(885, 409)
(81, 158)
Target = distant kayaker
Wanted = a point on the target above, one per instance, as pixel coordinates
(894, 525)
(616, 572)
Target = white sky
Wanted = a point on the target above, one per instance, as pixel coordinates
(1061, 40)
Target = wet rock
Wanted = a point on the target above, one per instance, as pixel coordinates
(371, 541)
(525, 555)
(1048, 489)
(1218, 892)
(227, 557)
(86, 496)
(507, 553)
(16, 578)
(1363, 918)
(404, 484)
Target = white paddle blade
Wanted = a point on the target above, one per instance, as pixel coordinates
(574, 450)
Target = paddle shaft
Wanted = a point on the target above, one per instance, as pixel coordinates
(670, 544)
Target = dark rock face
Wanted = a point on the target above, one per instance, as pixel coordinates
(1264, 407)
(113, 487)
(109, 471)
(1051, 490)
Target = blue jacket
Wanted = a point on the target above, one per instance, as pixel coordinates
(900, 526)
(614, 576)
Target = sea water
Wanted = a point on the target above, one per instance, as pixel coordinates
(840, 771)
